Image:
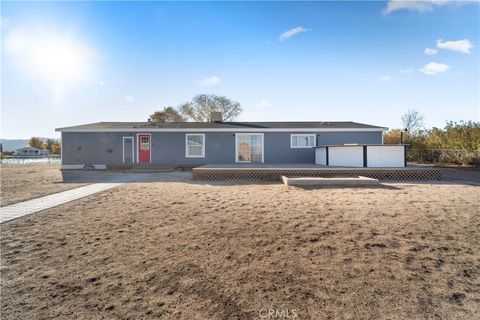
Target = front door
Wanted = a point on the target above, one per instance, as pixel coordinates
(127, 149)
(144, 146)
(249, 147)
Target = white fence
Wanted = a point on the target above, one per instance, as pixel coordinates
(32, 159)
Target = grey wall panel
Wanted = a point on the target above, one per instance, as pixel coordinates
(277, 149)
(329, 138)
(169, 147)
(93, 147)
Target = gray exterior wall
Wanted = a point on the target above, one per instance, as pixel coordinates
(169, 147)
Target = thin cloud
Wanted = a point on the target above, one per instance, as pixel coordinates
(433, 68)
(406, 71)
(129, 98)
(396, 5)
(430, 51)
(210, 81)
(419, 5)
(264, 103)
(463, 46)
(292, 32)
(101, 83)
(385, 78)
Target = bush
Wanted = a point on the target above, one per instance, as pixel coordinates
(457, 143)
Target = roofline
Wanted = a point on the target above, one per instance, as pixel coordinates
(223, 129)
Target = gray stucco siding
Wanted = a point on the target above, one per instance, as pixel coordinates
(277, 149)
(93, 147)
(168, 148)
(277, 144)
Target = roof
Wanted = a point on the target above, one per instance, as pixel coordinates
(28, 148)
(223, 126)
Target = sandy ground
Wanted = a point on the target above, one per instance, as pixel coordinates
(20, 182)
(184, 250)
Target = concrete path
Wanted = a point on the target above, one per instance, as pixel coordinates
(21, 209)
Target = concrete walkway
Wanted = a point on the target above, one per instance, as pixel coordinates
(24, 208)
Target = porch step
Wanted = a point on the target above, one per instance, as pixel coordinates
(334, 181)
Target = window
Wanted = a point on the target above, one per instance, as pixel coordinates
(144, 143)
(249, 147)
(195, 146)
(302, 141)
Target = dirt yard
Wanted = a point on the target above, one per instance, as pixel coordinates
(187, 250)
(20, 182)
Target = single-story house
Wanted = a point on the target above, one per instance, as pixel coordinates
(199, 143)
(30, 152)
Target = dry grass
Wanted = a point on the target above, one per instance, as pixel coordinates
(20, 182)
(199, 251)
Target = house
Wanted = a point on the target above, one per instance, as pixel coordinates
(30, 152)
(198, 143)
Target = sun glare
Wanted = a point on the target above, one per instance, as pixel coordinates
(58, 59)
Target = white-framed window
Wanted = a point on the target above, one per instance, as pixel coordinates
(195, 145)
(302, 140)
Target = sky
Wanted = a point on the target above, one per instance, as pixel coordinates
(68, 63)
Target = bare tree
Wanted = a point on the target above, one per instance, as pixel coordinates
(202, 106)
(168, 114)
(412, 121)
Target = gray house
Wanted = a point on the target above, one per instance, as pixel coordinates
(198, 143)
(30, 152)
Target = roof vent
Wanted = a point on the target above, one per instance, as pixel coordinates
(216, 117)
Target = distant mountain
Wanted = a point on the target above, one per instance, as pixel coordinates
(14, 144)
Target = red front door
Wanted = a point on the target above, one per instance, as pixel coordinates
(144, 146)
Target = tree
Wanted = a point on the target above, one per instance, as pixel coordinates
(56, 148)
(35, 142)
(412, 121)
(202, 106)
(48, 144)
(168, 114)
(391, 136)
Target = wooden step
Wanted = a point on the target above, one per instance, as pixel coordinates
(334, 181)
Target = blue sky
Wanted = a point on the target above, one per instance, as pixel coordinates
(69, 63)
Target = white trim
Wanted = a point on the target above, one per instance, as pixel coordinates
(186, 145)
(138, 145)
(303, 135)
(133, 150)
(249, 134)
(61, 148)
(246, 130)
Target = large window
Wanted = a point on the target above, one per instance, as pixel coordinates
(195, 145)
(249, 147)
(302, 140)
